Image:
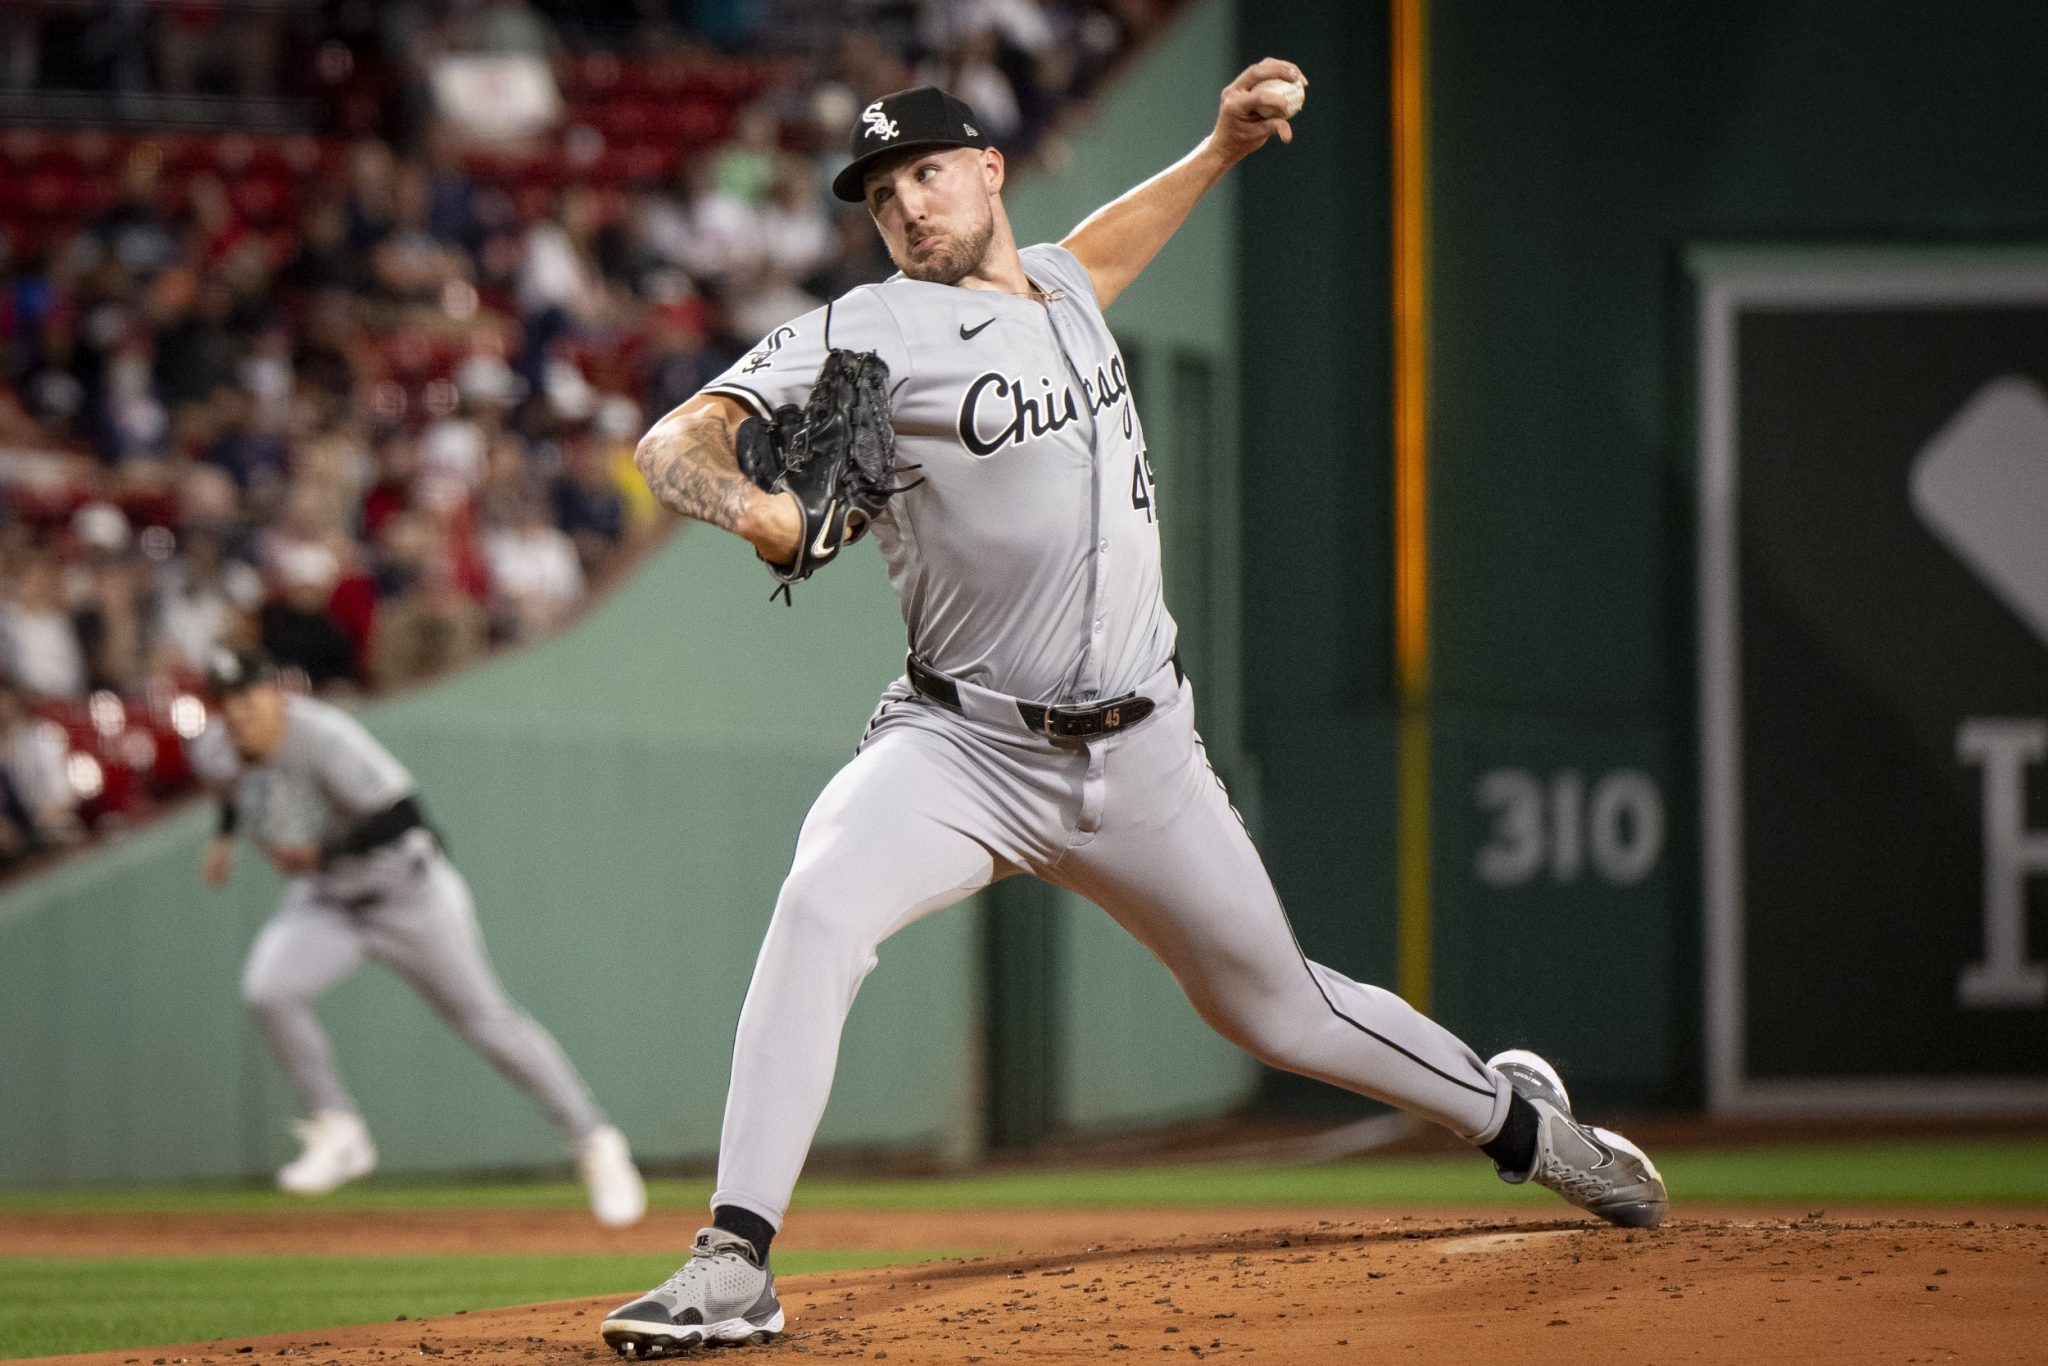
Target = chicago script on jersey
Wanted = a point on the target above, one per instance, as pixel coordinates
(1018, 414)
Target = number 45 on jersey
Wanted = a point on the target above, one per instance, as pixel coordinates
(1141, 485)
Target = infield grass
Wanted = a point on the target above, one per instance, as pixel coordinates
(1990, 1171)
(50, 1305)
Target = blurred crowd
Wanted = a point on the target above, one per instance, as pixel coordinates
(368, 399)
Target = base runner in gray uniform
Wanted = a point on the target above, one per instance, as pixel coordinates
(367, 878)
(1043, 725)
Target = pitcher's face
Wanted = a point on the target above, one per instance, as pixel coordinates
(935, 210)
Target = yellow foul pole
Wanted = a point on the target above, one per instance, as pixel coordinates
(1411, 586)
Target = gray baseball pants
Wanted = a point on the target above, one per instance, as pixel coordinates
(425, 930)
(938, 804)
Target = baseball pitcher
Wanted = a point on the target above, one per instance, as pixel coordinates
(366, 878)
(973, 412)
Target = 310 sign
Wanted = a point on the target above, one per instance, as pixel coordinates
(1616, 828)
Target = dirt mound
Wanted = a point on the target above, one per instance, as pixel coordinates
(1415, 1288)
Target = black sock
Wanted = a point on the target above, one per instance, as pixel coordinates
(750, 1226)
(1513, 1149)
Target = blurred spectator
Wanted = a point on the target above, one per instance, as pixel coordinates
(207, 500)
(409, 539)
(589, 506)
(297, 629)
(398, 466)
(253, 458)
(455, 211)
(41, 644)
(859, 259)
(771, 299)
(795, 236)
(535, 574)
(269, 379)
(560, 288)
(409, 263)
(369, 205)
(44, 808)
(137, 428)
(110, 619)
(452, 451)
(197, 351)
(323, 259)
(677, 362)
(617, 432)
(968, 69)
(134, 232)
(205, 600)
(744, 167)
(428, 628)
(559, 273)
(311, 519)
(863, 65)
(703, 230)
(213, 229)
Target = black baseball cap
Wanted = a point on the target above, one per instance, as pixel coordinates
(922, 116)
(230, 671)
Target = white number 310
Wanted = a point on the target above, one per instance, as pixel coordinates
(1554, 825)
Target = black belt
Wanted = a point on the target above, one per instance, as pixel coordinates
(1079, 721)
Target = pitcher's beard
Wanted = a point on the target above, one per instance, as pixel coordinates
(952, 259)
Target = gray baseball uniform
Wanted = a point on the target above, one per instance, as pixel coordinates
(401, 903)
(1027, 565)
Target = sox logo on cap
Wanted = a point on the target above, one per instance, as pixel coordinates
(880, 125)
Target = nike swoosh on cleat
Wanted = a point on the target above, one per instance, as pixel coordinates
(969, 333)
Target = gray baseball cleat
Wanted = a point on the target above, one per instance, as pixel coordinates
(1596, 1169)
(723, 1295)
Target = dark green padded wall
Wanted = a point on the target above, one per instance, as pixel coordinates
(1578, 148)
(1313, 299)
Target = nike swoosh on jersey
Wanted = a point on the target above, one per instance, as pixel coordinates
(969, 333)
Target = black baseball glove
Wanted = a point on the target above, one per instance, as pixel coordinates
(837, 454)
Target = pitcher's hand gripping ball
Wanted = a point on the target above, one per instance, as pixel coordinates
(836, 455)
(1279, 99)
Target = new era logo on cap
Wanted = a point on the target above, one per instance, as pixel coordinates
(924, 116)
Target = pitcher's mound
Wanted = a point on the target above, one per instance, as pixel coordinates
(1415, 1289)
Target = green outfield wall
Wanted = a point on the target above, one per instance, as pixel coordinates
(1577, 153)
(624, 800)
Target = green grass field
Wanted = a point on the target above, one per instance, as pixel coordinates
(80, 1304)
(66, 1304)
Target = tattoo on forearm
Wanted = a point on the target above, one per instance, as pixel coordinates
(689, 463)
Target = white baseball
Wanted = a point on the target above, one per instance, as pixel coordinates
(1288, 95)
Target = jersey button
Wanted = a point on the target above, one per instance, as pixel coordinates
(1102, 547)
(1098, 626)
